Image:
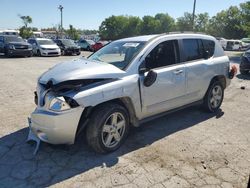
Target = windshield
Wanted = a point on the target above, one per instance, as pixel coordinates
(13, 39)
(91, 42)
(68, 42)
(119, 54)
(45, 42)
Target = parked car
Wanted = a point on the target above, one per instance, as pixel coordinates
(234, 45)
(97, 46)
(11, 45)
(86, 44)
(245, 62)
(107, 93)
(44, 47)
(223, 42)
(68, 47)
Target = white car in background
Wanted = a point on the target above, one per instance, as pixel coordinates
(44, 47)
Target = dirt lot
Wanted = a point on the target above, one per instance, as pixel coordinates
(189, 148)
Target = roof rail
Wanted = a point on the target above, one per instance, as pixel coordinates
(185, 32)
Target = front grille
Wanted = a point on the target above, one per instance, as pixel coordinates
(52, 53)
(51, 49)
(21, 47)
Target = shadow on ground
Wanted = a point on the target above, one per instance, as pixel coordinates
(53, 164)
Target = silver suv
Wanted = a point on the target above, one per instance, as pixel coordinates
(125, 83)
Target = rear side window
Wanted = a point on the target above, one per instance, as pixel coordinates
(192, 49)
(209, 46)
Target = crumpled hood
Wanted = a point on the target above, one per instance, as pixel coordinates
(80, 69)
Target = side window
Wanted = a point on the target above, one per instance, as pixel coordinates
(192, 49)
(164, 54)
(209, 46)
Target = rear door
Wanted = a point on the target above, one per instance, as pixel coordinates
(197, 57)
(170, 86)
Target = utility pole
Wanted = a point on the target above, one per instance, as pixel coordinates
(61, 10)
(193, 14)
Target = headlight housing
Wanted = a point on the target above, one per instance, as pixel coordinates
(59, 104)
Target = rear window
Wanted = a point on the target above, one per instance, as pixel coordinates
(192, 49)
(209, 46)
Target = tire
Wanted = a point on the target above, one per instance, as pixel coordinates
(39, 53)
(102, 133)
(243, 72)
(78, 53)
(7, 54)
(214, 97)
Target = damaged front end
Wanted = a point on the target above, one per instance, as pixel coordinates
(57, 116)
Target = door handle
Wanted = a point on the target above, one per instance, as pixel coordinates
(178, 72)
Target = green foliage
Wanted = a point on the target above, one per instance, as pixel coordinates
(73, 33)
(185, 23)
(231, 23)
(245, 13)
(26, 20)
(116, 27)
(228, 23)
(25, 32)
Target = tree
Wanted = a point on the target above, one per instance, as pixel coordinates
(227, 23)
(116, 27)
(26, 20)
(73, 33)
(245, 13)
(150, 25)
(185, 23)
(201, 23)
(167, 23)
(25, 31)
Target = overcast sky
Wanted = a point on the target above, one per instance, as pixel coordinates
(85, 14)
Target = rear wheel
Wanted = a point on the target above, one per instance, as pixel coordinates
(214, 97)
(108, 127)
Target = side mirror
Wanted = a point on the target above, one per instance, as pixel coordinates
(206, 55)
(150, 78)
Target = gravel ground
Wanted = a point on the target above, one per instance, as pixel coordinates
(188, 148)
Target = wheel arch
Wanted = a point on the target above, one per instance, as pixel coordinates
(126, 102)
(221, 79)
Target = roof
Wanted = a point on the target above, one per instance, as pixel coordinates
(146, 38)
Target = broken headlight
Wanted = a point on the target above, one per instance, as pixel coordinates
(59, 103)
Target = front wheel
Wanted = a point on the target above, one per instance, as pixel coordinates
(214, 97)
(108, 127)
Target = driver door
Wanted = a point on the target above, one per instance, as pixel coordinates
(169, 88)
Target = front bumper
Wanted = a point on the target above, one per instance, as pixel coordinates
(55, 52)
(56, 127)
(17, 52)
(72, 51)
